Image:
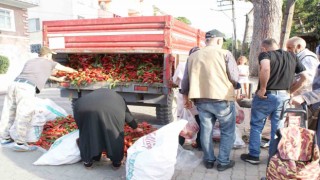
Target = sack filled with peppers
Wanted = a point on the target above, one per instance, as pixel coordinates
(63, 125)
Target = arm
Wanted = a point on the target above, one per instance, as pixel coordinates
(300, 83)
(131, 121)
(232, 69)
(60, 79)
(264, 77)
(64, 68)
(185, 88)
(311, 97)
(185, 81)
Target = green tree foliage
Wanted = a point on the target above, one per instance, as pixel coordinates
(184, 19)
(228, 44)
(306, 17)
(4, 64)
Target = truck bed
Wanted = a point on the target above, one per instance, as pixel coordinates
(153, 34)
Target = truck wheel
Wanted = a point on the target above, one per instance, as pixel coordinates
(165, 112)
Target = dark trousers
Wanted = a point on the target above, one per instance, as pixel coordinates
(182, 139)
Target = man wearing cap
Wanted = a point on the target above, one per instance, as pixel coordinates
(210, 79)
(19, 101)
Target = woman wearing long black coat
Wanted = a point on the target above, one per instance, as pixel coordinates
(101, 116)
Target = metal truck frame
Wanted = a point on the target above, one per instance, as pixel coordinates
(154, 34)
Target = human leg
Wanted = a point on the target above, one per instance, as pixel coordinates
(275, 117)
(207, 121)
(260, 109)
(318, 131)
(226, 114)
(25, 98)
(8, 115)
(198, 141)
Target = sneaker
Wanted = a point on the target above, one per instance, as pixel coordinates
(6, 141)
(209, 164)
(24, 147)
(250, 159)
(224, 167)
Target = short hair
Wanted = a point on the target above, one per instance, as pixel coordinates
(295, 40)
(269, 42)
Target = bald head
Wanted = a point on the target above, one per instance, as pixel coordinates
(296, 44)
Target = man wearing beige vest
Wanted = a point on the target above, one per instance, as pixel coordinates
(210, 78)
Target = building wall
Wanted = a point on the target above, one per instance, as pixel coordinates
(15, 45)
(60, 10)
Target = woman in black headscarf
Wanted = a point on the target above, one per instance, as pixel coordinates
(101, 116)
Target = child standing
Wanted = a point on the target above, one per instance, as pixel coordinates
(243, 76)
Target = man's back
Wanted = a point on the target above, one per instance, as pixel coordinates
(282, 69)
(208, 74)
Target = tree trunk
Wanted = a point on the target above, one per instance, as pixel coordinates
(244, 43)
(267, 23)
(287, 23)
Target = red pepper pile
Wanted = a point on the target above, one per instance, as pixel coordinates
(63, 125)
(130, 136)
(53, 130)
(146, 68)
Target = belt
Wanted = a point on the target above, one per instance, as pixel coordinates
(21, 80)
(277, 92)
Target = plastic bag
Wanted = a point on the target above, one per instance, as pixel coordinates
(216, 132)
(45, 110)
(238, 143)
(240, 114)
(63, 151)
(187, 159)
(154, 156)
(190, 131)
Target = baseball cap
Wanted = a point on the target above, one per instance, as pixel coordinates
(45, 50)
(215, 33)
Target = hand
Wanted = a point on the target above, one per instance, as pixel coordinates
(138, 130)
(62, 79)
(297, 100)
(187, 102)
(261, 94)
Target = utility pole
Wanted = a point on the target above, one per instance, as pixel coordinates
(227, 4)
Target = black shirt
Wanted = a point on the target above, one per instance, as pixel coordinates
(283, 66)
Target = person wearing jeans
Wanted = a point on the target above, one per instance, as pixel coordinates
(225, 113)
(209, 81)
(260, 109)
(277, 71)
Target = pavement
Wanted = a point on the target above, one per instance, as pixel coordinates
(18, 165)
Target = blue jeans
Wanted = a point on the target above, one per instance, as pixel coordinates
(260, 110)
(225, 113)
(318, 131)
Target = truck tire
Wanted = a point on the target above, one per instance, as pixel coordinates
(165, 113)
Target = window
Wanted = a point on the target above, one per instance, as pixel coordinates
(7, 20)
(34, 25)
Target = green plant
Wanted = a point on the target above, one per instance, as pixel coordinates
(4, 64)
